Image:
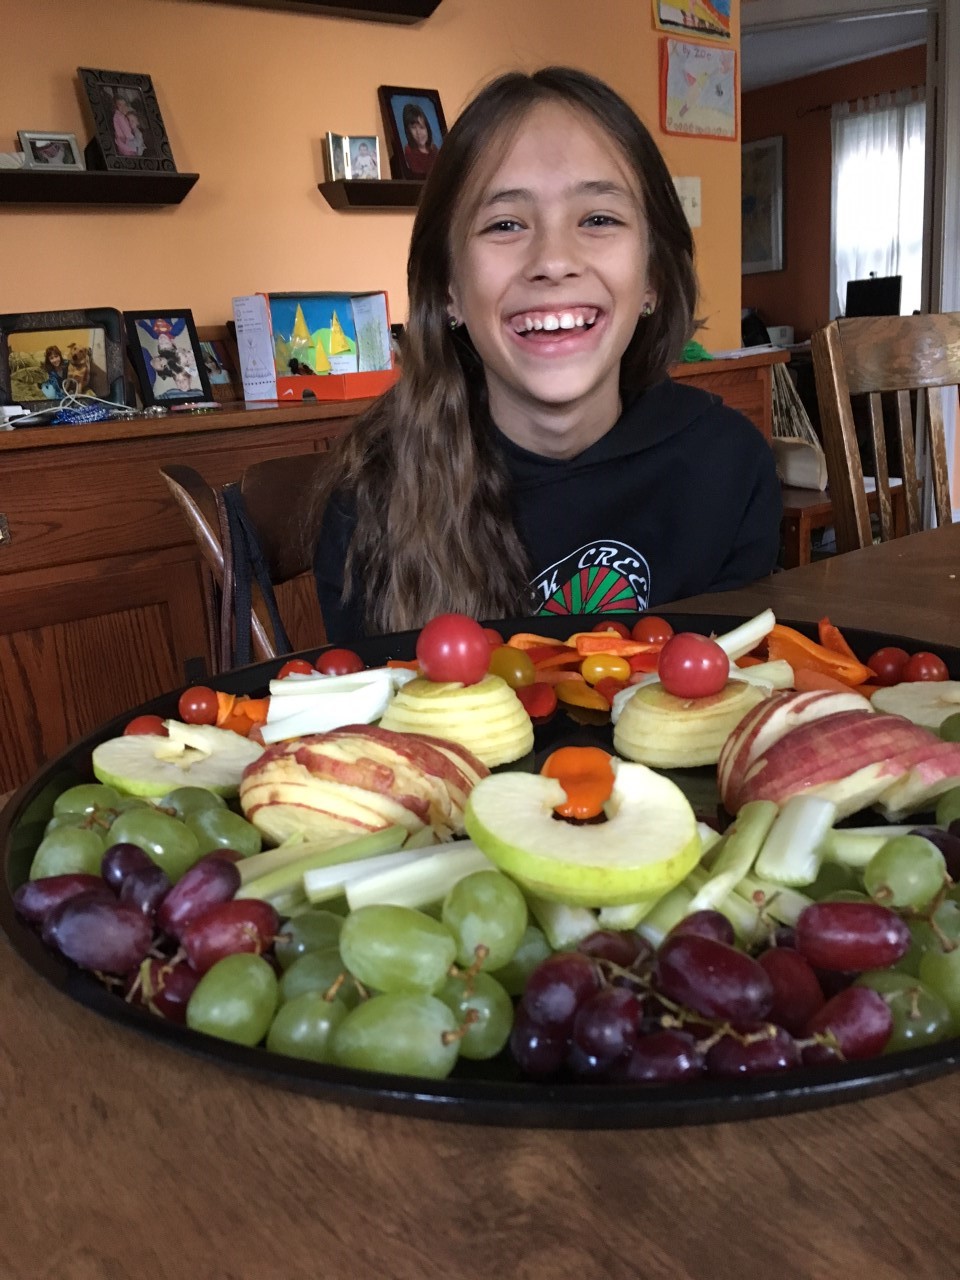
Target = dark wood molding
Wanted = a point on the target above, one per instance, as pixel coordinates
(88, 186)
(372, 193)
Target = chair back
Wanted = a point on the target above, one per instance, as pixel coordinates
(279, 495)
(915, 361)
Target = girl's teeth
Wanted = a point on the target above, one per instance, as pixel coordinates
(567, 321)
(538, 323)
(551, 322)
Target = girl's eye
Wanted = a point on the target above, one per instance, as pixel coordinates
(502, 224)
(602, 220)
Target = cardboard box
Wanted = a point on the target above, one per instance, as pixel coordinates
(319, 346)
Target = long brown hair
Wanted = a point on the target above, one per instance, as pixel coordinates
(434, 530)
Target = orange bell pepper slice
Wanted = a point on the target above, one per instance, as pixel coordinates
(554, 676)
(803, 654)
(806, 680)
(255, 709)
(577, 693)
(225, 704)
(609, 642)
(527, 640)
(645, 662)
(832, 638)
(586, 775)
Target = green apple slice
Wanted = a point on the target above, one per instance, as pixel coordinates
(647, 845)
(193, 755)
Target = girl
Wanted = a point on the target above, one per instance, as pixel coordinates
(421, 150)
(535, 456)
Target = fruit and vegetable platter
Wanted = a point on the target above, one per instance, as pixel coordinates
(561, 871)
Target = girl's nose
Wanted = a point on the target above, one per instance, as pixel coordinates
(554, 254)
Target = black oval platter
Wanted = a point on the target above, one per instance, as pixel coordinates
(478, 1093)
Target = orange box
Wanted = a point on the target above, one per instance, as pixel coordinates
(337, 386)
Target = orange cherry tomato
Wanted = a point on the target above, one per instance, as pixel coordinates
(620, 628)
(512, 665)
(603, 666)
(651, 630)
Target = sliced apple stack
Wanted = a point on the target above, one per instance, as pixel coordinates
(659, 729)
(926, 702)
(359, 778)
(487, 717)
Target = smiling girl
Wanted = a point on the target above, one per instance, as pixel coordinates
(535, 456)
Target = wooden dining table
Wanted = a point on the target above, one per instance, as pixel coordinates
(124, 1158)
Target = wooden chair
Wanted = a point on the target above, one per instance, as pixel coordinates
(279, 495)
(872, 356)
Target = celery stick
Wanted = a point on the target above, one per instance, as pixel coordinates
(742, 843)
(855, 846)
(277, 876)
(777, 901)
(626, 917)
(669, 911)
(417, 884)
(793, 849)
(747, 636)
(564, 926)
(710, 837)
(323, 883)
(295, 848)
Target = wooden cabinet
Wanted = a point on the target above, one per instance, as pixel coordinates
(745, 383)
(100, 589)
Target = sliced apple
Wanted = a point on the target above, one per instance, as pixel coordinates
(667, 732)
(647, 845)
(926, 702)
(487, 718)
(193, 755)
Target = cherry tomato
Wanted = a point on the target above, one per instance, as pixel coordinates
(339, 662)
(512, 665)
(494, 636)
(692, 666)
(601, 666)
(295, 666)
(198, 705)
(147, 724)
(621, 628)
(452, 647)
(651, 630)
(887, 664)
(925, 666)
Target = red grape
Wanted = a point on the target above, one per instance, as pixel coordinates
(706, 924)
(797, 994)
(660, 1056)
(556, 987)
(538, 1053)
(166, 987)
(120, 860)
(145, 889)
(99, 933)
(604, 1029)
(851, 936)
(35, 899)
(229, 927)
(712, 978)
(209, 882)
(621, 948)
(860, 1020)
(735, 1054)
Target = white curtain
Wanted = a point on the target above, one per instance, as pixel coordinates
(877, 206)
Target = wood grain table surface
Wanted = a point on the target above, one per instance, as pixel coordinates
(122, 1158)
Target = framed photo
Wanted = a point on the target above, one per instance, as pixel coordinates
(126, 117)
(220, 361)
(165, 352)
(49, 150)
(693, 18)
(363, 156)
(46, 356)
(415, 128)
(335, 157)
(761, 194)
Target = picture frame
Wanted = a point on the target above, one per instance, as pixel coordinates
(220, 359)
(166, 355)
(412, 155)
(129, 129)
(761, 194)
(46, 355)
(335, 157)
(362, 156)
(49, 150)
(698, 90)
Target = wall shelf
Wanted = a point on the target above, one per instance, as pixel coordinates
(89, 186)
(372, 193)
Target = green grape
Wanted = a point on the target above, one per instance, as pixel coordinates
(533, 948)
(130, 802)
(319, 971)
(235, 1000)
(166, 840)
(485, 909)
(411, 1035)
(950, 729)
(396, 949)
(833, 877)
(907, 871)
(920, 1016)
(186, 800)
(940, 971)
(220, 829)
(86, 798)
(948, 807)
(66, 850)
(485, 997)
(60, 820)
(313, 930)
(846, 895)
(303, 1028)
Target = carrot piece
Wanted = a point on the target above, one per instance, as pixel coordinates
(794, 647)
(225, 705)
(586, 775)
(406, 666)
(237, 723)
(526, 640)
(255, 709)
(832, 638)
(749, 661)
(806, 680)
(609, 642)
(577, 693)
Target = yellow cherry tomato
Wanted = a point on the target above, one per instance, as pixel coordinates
(601, 665)
(512, 665)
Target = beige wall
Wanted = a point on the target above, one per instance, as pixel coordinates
(247, 95)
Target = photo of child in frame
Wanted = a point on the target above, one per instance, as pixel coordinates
(128, 118)
(169, 358)
(415, 126)
(364, 158)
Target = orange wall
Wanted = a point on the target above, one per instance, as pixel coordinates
(247, 95)
(800, 294)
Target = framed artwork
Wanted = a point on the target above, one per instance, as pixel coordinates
(363, 156)
(49, 150)
(708, 18)
(129, 127)
(166, 354)
(335, 157)
(46, 356)
(219, 351)
(698, 90)
(415, 128)
(761, 194)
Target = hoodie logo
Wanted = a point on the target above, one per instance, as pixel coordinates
(599, 577)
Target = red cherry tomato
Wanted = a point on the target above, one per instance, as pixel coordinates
(494, 636)
(295, 666)
(651, 630)
(925, 666)
(147, 724)
(198, 705)
(621, 628)
(339, 662)
(452, 647)
(692, 666)
(887, 664)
